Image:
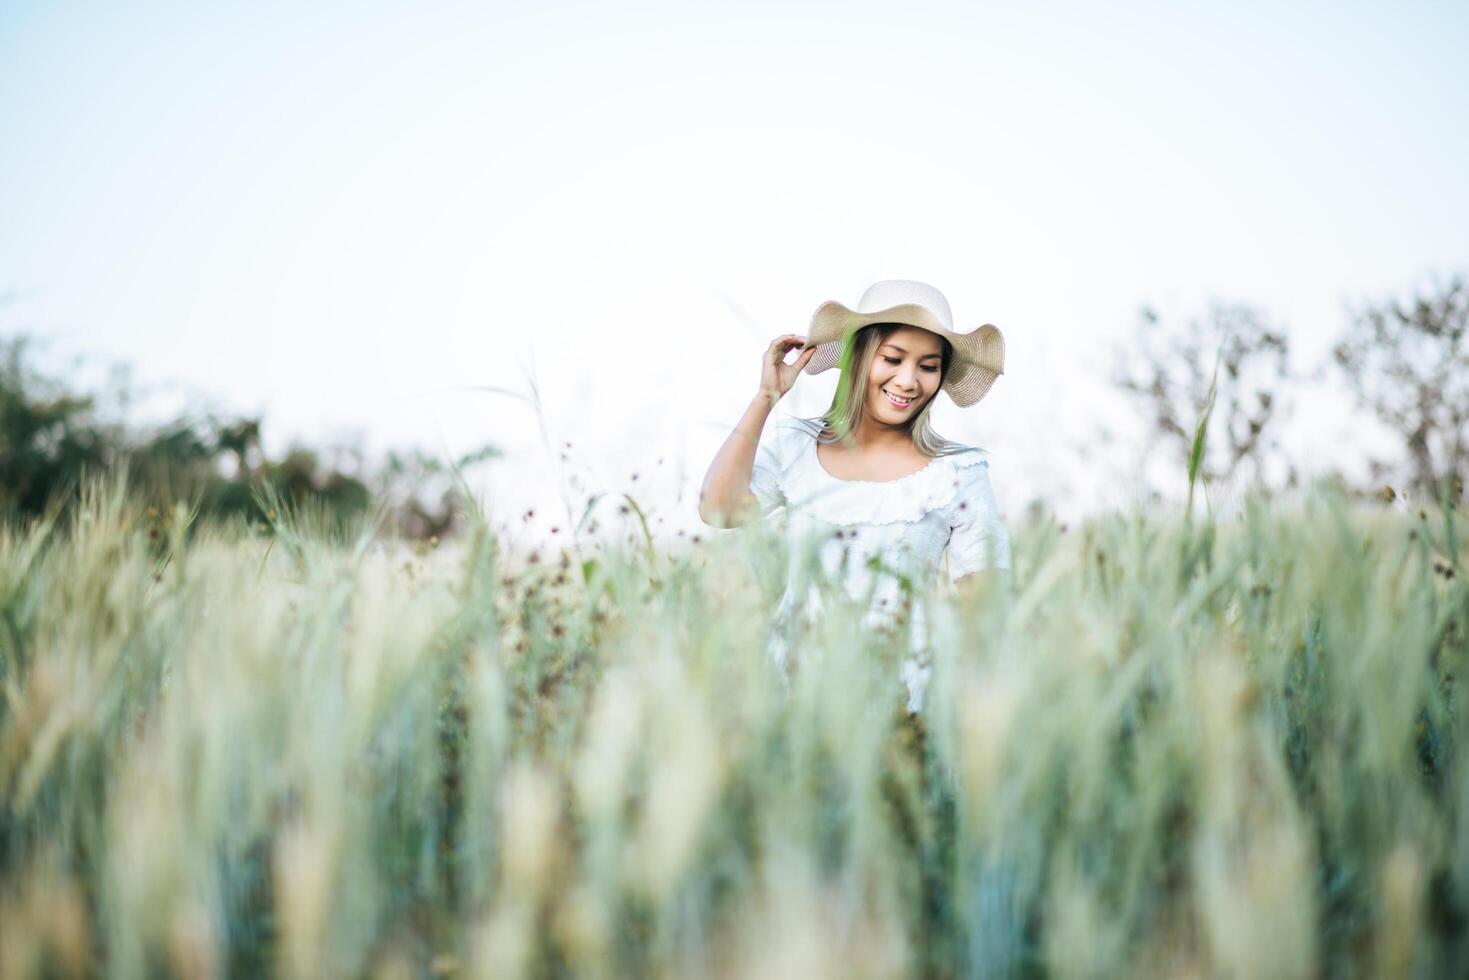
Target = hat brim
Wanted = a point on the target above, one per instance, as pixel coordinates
(979, 356)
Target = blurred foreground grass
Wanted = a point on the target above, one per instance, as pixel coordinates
(1159, 749)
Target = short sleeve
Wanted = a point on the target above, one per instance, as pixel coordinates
(978, 538)
(770, 463)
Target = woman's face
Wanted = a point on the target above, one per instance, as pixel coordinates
(904, 375)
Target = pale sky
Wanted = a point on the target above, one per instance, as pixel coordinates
(335, 215)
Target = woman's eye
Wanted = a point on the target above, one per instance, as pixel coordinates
(930, 368)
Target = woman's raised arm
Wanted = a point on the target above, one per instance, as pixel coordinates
(725, 500)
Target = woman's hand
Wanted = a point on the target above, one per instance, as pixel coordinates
(776, 376)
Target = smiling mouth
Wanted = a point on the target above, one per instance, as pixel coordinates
(896, 401)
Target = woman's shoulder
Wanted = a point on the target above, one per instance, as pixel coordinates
(781, 442)
(792, 431)
(971, 481)
(794, 424)
(973, 494)
(967, 457)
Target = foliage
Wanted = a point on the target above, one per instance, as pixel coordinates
(1408, 365)
(50, 437)
(1201, 440)
(1172, 375)
(1160, 748)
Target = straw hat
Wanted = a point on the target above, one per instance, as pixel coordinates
(979, 356)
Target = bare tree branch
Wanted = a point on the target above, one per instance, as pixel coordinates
(1408, 364)
(1170, 371)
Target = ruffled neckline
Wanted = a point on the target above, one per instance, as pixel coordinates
(816, 458)
(906, 499)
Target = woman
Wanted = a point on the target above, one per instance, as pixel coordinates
(883, 494)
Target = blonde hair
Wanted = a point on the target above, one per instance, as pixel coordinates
(845, 415)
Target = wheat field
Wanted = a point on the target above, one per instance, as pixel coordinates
(1161, 747)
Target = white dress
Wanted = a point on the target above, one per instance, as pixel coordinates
(899, 526)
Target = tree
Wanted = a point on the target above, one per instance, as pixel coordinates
(1408, 365)
(1170, 374)
(51, 438)
(48, 435)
